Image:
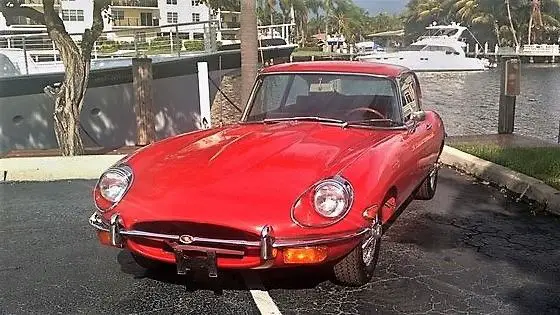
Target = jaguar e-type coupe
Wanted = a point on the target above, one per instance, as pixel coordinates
(324, 155)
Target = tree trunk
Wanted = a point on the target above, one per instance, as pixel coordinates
(70, 98)
(497, 31)
(249, 48)
(68, 106)
(530, 29)
(511, 24)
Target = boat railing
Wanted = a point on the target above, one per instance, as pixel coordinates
(32, 51)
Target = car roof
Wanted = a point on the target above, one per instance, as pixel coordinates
(361, 67)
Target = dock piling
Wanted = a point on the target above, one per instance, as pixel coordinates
(509, 89)
(142, 78)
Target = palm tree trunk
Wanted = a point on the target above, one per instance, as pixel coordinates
(497, 31)
(530, 29)
(249, 48)
(511, 24)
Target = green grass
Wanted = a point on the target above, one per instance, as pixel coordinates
(542, 163)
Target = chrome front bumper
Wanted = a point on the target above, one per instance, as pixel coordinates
(267, 241)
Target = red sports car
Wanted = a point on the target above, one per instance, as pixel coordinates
(324, 155)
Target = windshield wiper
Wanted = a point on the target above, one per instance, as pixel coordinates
(310, 118)
(370, 122)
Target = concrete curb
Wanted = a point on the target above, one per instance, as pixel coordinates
(55, 167)
(530, 187)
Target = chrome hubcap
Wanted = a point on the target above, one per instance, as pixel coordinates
(369, 244)
(433, 176)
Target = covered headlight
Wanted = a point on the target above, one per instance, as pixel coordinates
(331, 198)
(112, 186)
(324, 203)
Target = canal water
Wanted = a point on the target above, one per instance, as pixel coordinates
(468, 101)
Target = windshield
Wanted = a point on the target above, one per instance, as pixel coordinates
(338, 97)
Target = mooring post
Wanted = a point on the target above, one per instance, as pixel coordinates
(509, 89)
(204, 96)
(558, 131)
(142, 77)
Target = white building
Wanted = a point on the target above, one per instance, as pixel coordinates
(76, 14)
(126, 15)
(184, 11)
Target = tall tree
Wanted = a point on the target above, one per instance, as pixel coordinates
(249, 47)
(227, 5)
(513, 32)
(69, 98)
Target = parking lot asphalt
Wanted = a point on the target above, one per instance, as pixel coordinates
(469, 250)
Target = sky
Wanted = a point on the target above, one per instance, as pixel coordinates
(377, 6)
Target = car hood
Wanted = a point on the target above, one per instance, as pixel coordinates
(250, 172)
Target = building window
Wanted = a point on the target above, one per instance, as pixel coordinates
(196, 17)
(72, 15)
(146, 19)
(195, 3)
(172, 17)
(171, 1)
(117, 14)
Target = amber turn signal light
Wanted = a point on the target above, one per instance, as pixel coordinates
(104, 238)
(305, 255)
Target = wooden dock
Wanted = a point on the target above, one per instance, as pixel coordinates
(527, 53)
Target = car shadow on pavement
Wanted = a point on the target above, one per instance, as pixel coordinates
(285, 278)
(511, 250)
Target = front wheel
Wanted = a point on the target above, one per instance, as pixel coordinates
(356, 268)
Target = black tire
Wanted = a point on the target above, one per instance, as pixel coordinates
(352, 270)
(427, 189)
(147, 263)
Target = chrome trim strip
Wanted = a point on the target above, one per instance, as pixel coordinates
(319, 241)
(266, 244)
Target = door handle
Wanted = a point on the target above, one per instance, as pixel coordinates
(429, 126)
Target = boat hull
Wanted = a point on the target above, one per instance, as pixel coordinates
(429, 62)
(107, 118)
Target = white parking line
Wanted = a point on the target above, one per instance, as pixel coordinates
(264, 302)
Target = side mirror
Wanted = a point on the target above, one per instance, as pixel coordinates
(418, 116)
(415, 117)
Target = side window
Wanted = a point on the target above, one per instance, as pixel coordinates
(409, 97)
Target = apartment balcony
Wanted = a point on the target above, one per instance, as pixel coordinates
(20, 21)
(135, 22)
(230, 25)
(133, 3)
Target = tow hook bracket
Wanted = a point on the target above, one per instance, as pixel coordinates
(212, 265)
(186, 263)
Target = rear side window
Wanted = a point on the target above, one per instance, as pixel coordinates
(409, 96)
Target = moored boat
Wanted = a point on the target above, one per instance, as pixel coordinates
(442, 48)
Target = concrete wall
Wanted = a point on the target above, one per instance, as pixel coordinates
(26, 121)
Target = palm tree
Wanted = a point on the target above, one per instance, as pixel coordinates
(249, 47)
(511, 24)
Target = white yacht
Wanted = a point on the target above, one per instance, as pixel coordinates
(441, 48)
